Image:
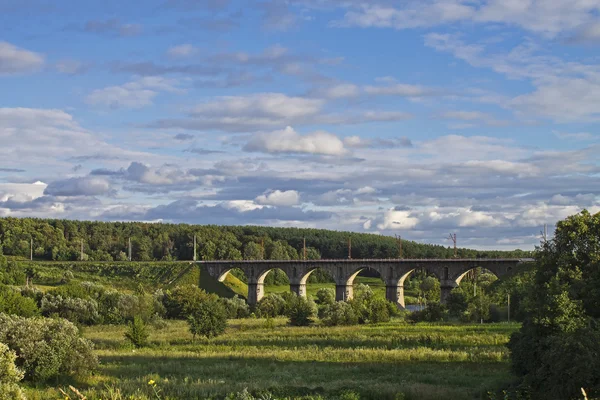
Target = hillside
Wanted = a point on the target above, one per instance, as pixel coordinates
(62, 240)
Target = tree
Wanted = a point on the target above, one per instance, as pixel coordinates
(10, 375)
(302, 311)
(556, 350)
(208, 319)
(137, 332)
(253, 251)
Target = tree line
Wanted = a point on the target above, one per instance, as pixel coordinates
(61, 240)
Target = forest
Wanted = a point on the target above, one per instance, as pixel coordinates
(62, 240)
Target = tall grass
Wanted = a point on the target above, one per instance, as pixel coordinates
(423, 361)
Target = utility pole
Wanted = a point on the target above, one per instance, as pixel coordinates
(349, 248)
(194, 247)
(399, 239)
(81, 257)
(129, 250)
(304, 247)
(31, 250)
(508, 301)
(545, 233)
(453, 238)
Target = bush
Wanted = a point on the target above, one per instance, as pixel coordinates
(434, 312)
(378, 311)
(13, 303)
(76, 310)
(10, 375)
(208, 318)
(236, 307)
(137, 333)
(272, 305)
(47, 348)
(11, 273)
(183, 300)
(302, 311)
(339, 313)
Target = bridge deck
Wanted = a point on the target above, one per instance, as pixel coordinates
(375, 260)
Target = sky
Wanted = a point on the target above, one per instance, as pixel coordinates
(413, 118)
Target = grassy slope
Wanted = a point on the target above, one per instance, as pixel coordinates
(378, 361)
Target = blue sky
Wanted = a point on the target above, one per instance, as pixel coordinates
(417, 118)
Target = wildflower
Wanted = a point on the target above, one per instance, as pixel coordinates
(151, 382)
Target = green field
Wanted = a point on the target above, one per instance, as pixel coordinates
(387, 361)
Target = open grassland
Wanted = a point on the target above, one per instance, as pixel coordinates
(387, 361)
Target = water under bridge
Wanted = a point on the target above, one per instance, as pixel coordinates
(393, 272)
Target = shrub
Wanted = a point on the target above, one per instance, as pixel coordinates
(324, 297)
(11, 273)
(236, 307)
(10, 375)
(272, 305)
(432, 313)
(137, 333)
(12, 302)
(76, 310)
(378, 311)
(302, 311)
(47, 348)
(183, 300)
(339, 313)
(208, 318)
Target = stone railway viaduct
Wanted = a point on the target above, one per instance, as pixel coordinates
(392, 271)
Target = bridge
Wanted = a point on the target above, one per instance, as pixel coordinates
(393, 272)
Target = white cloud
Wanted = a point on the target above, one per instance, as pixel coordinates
(578, 136)
(400, 89)
(182, 50)
(397, 220)
(136, 94)
(289, 141)
(286, 198)
(273, 105)
(83, 186)
(14, 60)
(21, 192)
(340, 91)
(546, 17)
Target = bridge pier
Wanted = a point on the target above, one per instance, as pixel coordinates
(256, 292)
(446, 287)
(343, 292)
(298, 288)
(395, 294)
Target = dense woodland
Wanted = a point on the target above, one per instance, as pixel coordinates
(60, 240)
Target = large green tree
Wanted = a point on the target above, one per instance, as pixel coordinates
(557, 350)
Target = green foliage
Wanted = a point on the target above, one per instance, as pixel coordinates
(60, 240)
(339, 313)
(272, 305)
(301, 311)
(236, 307)
(13, 302)
(183, 300)
(378, 311)
(137, 333)
(76, 310)
(47, 348)
(556, 350)
(208, 318)
(434, 312)
(10, 273)
(10, 375)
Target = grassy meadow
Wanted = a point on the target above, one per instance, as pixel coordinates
(394, 360)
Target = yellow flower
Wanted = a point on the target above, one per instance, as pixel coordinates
(151, 382)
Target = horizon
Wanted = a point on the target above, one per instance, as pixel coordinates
(419, 119)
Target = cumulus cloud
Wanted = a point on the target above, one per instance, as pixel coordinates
(286, 198)
(82, 186)
(15, 60)
(135, 94)
(289, 141)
